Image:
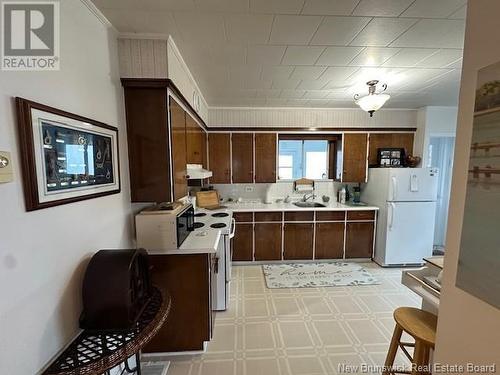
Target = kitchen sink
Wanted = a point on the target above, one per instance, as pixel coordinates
(309, 204)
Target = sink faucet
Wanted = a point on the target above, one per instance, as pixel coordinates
(306, 197)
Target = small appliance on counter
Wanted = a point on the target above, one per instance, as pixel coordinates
(164, 227)
(116, 288)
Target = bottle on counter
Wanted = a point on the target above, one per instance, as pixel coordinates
(341, 195)
(347, 194)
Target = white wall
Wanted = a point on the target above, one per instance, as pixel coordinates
(468, 328)
(43, 254)
(310, 117)
(432, 122)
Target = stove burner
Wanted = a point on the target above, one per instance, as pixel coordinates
(218, 225)
(220, 214)
(198, 225)
(200, 214)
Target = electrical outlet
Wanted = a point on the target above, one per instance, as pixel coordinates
(6, 174)
(248, 189)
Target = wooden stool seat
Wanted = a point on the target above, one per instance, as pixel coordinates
(419, 324)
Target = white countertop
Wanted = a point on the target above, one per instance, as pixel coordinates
(330, 206)
(198, 242)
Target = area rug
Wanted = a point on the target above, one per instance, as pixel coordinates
(312, 275)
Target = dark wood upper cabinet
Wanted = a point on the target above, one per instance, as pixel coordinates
(179, 149)
(268, 241)
(152, 159)
(243, 242)
(242, 157)
(329, 241)
(219, 150)
(265, 157)
(148, 148)
(298, 241)
(359, 240)
(389, 140)
(196, 142)
(355, 158)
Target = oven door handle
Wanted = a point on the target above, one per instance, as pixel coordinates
(233, 229)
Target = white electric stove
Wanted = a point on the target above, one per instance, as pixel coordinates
(219, 220)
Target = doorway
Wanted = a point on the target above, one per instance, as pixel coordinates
(441, 151)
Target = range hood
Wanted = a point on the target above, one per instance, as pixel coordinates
(196, 172)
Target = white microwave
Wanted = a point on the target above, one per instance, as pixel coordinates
(160, 229)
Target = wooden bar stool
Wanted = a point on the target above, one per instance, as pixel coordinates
(419, 324)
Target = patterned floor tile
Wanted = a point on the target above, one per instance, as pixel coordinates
(304, 331)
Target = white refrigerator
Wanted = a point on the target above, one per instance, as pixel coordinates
(405, 225)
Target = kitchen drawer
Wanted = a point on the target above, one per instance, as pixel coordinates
(360, 215)
(268, 216)
(299, 216)
(246, 217)
(330, 215)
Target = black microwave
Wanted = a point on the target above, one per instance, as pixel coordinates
(185, 224)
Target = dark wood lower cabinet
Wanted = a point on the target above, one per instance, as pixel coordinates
(329, 241)
(359, 240)
(268, 241)
(188, 279)
(243, 243)
(298, 241)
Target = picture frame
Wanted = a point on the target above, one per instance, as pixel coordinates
(65, 157)
(390, 157)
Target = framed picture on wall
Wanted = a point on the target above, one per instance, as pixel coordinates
(479, 258)
(65, 157)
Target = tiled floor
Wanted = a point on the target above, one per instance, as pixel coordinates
(304, 331)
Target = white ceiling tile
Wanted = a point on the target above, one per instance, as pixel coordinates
(228, 54)
(307, 72)
(329, 7)
(268, 93)
(281, 72)
(248, 28)
(265, 55)
(310, 84)
(139, 21)
(297, 102)
(244, 72)
(293, 29)
(222, 5)
(433, 8)
(339, 56)
(302, 55)
(408, 57)
(382, 8)
(336, 94)
(442, 58)
(319, 103)
(460, 14)
(432, 33)
(285, 83)
(276, 6)
(195, 27)
(315, 94)
(338, 30)
(257, 84)
(456, 65)
(419, 78)
(147, 5)
(339, 73)
(373, 56)
(276, 102)
(292, 94)
(382, 31)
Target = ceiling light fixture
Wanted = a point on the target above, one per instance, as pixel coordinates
(374, 100)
